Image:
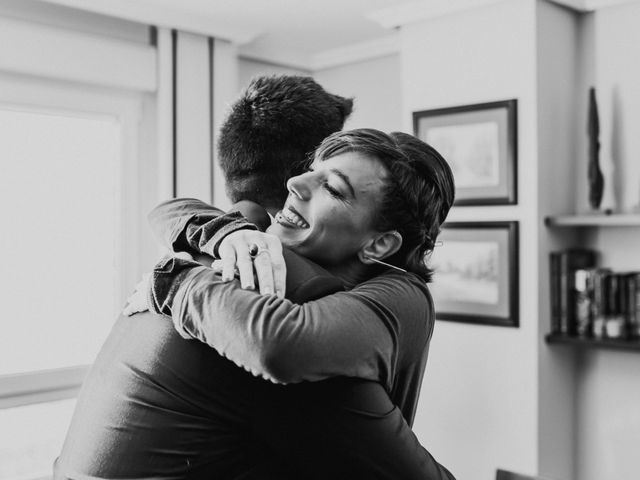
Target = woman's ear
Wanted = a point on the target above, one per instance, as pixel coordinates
(383, 245)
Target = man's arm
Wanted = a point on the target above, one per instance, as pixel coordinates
(354, 333)
(188, 224)
(344, 428)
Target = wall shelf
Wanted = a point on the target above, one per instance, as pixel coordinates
(609, 344)
(594, 220)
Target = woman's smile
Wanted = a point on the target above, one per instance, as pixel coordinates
(289, 217)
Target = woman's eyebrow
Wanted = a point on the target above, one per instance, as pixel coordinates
(345, 179)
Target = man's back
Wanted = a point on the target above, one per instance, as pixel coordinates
(157, 405)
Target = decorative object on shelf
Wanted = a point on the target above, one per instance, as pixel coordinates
(480, 143)
(476, 273)
(596, 180)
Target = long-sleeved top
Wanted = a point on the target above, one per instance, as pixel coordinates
(379, 330)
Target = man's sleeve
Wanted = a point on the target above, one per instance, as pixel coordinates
(188, 224)
(352, 333)
(345, 428)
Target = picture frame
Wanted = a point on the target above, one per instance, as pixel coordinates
(480, 144)
(476, 273)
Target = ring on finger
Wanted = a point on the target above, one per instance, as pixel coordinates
(255, 250)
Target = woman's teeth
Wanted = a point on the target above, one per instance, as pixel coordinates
(291, 218)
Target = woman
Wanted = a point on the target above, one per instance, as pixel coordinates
(368, 198)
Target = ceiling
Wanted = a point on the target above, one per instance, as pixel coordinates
(283, 31)
(292, 32)
(309, 26)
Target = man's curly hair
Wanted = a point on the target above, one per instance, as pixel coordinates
(270, 133)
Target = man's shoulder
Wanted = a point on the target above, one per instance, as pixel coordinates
(307, 280)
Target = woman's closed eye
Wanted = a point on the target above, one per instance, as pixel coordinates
(332, 191)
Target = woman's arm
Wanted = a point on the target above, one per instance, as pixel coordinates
(351, 333)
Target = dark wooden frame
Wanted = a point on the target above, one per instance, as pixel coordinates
(511, 284)
(509, 136)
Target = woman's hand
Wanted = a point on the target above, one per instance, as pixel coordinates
(248, 250)
(137, 302)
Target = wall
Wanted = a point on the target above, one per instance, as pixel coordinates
(560, 87)
(608, 391)
(478, 407)
(376, 88)
(249, 68)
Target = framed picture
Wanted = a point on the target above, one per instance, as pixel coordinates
(476, 273)
(480, 143)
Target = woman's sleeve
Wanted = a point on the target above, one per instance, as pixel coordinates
(352, 333)
(188, 224)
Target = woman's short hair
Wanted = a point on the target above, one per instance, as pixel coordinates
(418, 191)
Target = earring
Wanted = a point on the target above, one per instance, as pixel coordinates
(386, 264)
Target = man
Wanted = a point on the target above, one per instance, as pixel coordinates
(155, 405)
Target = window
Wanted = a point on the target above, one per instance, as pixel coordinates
(60, 201)
(78, 172)
(70, 196)
(59, 198)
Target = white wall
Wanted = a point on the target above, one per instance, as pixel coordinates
(608, 390)
(249, 68)
(376, 88)
(478, 407)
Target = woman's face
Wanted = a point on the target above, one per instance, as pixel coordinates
(329, 213)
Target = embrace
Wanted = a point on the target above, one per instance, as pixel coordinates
(301, 354)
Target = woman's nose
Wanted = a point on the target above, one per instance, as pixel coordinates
(299, 186)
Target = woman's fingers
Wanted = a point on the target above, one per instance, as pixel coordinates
(280, 277)
(252, 252)
(278, 266)
(244, 263)
(264, 271)
(227, 262)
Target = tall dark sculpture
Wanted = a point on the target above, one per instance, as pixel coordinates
(596, 180)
